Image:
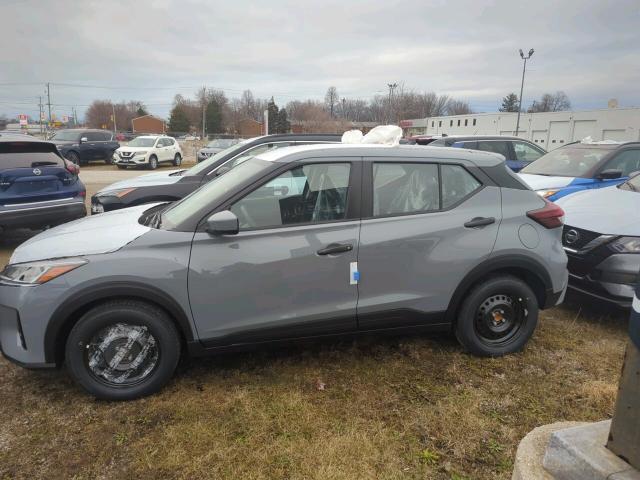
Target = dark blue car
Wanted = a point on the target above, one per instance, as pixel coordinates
(38, 188)
(518, 152)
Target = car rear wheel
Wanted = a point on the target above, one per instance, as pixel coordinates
(153, 162)
(123, 350)
(177, 160)
(73, 158)
(497, 317)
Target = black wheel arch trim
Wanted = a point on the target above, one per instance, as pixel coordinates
(503, 263)
(68, 313)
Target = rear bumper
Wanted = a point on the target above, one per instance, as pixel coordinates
(41, 214)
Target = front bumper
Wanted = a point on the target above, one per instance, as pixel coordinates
(21, 341)
(611, 279)
(130, 161)
(40, 214)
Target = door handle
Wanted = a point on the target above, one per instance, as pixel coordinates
(335, 248)
(479, 222)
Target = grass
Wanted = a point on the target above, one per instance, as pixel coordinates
(405, 407)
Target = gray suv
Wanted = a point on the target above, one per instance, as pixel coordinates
(300, 242)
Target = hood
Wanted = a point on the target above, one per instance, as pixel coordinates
(544, 182)
(609, 210)
(92, 235)
(148, 180)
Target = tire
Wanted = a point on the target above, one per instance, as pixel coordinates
(153, 162)
(497, 317)
(177, 160)
(108, 160)
(122, 167)
(119, 322)
(73, 158)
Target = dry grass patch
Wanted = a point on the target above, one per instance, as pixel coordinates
(406, 407)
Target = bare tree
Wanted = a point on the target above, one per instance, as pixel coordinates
(458, 107)
(556, 102)
(331, 99)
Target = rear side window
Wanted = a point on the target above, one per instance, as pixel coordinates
(26, 156)
(495, 147)
(402, 188)
(457, 184)
(106, 136)
(525, 152)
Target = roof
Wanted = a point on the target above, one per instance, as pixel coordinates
(148, 115)
(400, 152)
(482, 137)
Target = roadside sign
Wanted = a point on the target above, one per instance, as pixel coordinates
(23, 120)
(65, 118)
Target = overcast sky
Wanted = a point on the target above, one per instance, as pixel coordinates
(151, 50)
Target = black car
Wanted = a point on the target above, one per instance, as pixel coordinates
(82, 146)
(169, 186)
(517, 152)
(38, 187)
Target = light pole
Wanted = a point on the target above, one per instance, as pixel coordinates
(522, 85)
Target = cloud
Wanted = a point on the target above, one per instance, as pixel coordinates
(291, 49)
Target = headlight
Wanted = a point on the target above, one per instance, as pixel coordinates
(546, 193)
(36, 273)
(626, 245)
(121, 192)
(138, 154)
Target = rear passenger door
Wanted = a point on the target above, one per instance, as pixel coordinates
(425, 226)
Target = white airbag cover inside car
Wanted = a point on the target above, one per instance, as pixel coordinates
(102, 233)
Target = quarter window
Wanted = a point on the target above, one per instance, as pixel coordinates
(400, 188)
(306, 194)
(457, 184)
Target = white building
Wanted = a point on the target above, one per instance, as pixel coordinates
(549, 129)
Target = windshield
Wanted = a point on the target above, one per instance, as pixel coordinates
(222, 143)
(632, 184)
(203, 166)
(142, 142)
(567, 162)
(66, 136)
(212, 192)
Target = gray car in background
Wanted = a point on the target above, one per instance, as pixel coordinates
(215, 146)
(300, 242)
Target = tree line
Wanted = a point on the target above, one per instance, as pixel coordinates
(224, 115)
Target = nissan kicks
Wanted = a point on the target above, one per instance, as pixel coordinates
(299, 242)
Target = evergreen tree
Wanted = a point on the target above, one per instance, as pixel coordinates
(283, 125)
(178, 119)
(213, 116)
(510, 103)
(142, 111)
(272, 108)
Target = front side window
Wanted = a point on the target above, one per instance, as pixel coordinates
(457, 184)
(627, 162)
(305, 194)
(525, 152)
(402, 188)
(494, 147)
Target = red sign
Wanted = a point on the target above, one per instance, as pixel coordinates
(406, 123)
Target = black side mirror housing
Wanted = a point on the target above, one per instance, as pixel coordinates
(223, 223)
(609, 174)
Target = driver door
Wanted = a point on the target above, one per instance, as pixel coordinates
(287, 273)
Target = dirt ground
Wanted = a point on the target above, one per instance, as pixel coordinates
(392, 407)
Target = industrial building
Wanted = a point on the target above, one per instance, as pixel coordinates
(547, 129)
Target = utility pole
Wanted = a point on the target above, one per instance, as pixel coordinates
(113, 108)
(392, 87)
(204, 109)
(40, 113)
(49, 104)
(344, 102)
(522, 85)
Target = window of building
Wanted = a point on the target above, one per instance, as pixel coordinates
(458, 122)
(451, 123)
(433, 123)
(466, 122)
(474, 122)
(440, 123)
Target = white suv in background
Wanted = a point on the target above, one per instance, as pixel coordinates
(148, 150)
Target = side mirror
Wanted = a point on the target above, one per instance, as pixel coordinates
(84, 139)
(609, 174)
(223, 223)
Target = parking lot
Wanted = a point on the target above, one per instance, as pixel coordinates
(370, 408)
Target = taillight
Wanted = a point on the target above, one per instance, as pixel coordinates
(549, 216)
(72, 168)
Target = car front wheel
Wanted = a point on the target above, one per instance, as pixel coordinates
(153, 162)
(123, 350)
(177, 160)
(497, 317)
